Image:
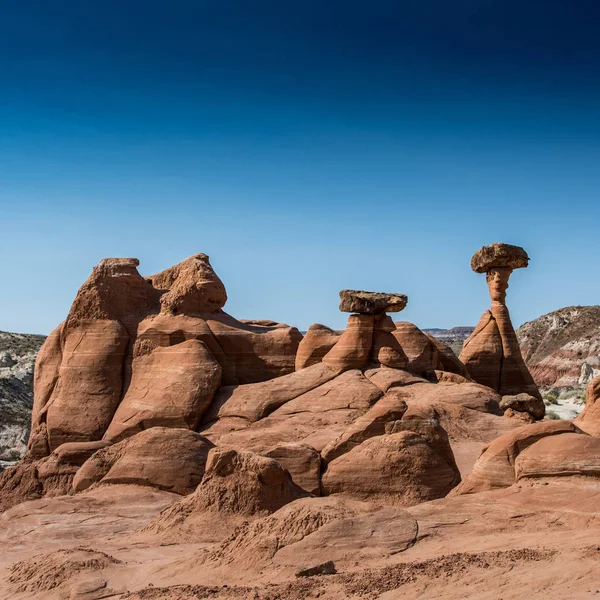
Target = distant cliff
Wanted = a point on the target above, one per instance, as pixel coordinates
(17, 358)
(455, 337)
(562, 348)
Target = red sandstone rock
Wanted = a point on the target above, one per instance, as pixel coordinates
(90, 382)
(567, 455)
(422, 353)
(386, 350)
(190, 287)
(589, 419)
(353, 349)
(524, 403)
(388, 409)
(317, 342)
(495, 468)
(256, 401)
(165, 458)
(302, 462)
(170, 387)
(399, 469)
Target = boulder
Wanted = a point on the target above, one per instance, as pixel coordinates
(387, 410)
(190, 287)
(371, 303)
(316, 343)
(302, 462)
(589, 419)
(421, 352)
(524, 403)
(236, 484)
(499, 255)
(567, 455)
(495, 468)
(170, 387)
(164, 458)
(386, 350)
(399, 469)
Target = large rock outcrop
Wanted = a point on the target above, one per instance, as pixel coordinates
(137, 352)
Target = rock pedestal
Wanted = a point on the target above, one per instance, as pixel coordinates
(492, 354)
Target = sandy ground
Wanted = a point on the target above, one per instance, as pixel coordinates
(540, 540)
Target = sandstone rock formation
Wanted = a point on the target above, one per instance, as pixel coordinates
(589, 419)
(491, 354)
(135, 353)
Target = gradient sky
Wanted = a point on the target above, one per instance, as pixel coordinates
(305, 146)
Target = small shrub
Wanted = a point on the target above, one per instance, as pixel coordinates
(552, 415)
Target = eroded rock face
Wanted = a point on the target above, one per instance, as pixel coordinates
(317, 342)
(491, 354)
(371, 303)
(135, 353)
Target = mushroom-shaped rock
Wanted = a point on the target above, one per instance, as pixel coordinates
(399, 469)
(371, 303)
(190, 287)
(492, 354)
(161, 457)
(499, 256)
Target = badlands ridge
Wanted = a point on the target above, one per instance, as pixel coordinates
(177, 452)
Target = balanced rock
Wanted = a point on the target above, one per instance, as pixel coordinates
(499, 255)
(371, 303)
(491, 354)
(353, 349)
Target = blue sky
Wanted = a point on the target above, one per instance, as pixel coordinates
(306, 147)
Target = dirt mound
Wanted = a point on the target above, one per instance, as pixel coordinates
(371, 583)
(235, 483)
(48, 571)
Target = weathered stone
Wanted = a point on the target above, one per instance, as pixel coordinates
(499, 255)
(353, 349)
(371, 303)
(326, 568)
(316, 343)
(524, 403)
(162, 457)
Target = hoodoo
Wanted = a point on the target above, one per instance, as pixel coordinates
(491, 354)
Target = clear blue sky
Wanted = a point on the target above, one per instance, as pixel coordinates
(305, 146)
